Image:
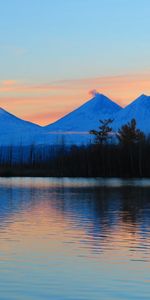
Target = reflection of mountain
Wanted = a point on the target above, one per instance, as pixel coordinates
(99, 212)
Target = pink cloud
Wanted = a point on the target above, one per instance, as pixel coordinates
(9, 82)
(46, 102)
(45, 118)
(119, 87)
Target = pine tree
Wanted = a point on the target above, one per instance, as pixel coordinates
(129, 134)
(104, 131)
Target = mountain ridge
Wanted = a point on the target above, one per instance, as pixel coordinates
(16, 131)
(87, 115)
(139, 109)
(74, 127)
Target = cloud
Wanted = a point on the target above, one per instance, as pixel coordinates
(15, 86)
(93, 93)
(50, 101)
(43, 118)
(40, 109)
(119, 87)
(9, 83)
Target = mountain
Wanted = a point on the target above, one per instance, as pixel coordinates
(139, 109)
(74, 127)
(15, 131)
(87, 116)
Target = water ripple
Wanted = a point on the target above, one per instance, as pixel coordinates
(74, 239)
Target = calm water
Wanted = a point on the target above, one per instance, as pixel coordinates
(74, 239)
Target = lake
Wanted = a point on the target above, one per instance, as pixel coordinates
(74, 239)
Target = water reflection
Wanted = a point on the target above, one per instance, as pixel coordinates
(74, 238)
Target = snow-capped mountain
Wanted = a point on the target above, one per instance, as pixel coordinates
(87, 116)
(71, 129)
(74, 127)
(15, 131)
(139, 109)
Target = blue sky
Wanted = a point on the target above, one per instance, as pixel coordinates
(45, 41)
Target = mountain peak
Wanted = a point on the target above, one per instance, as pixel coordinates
(139, 109)
(142, 97)
(87, 116)
(101, 103)
(99, 95)
(143, 100)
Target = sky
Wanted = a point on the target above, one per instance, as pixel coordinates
(53, 53)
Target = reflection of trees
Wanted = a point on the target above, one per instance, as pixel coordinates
(100, 212)
(135, 204)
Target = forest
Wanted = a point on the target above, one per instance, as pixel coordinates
(127, 156)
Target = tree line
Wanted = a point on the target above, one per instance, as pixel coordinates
(127, 156)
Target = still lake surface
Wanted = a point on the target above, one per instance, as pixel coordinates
(74, 239)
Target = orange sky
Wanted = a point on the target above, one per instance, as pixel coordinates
(46, 102)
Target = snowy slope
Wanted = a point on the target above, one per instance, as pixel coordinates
(139, 110)
(71, 129)
(74, 127)
(87, 116)
(15, 131)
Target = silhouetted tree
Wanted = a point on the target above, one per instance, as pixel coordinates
(104, 131)
(129, 134)
(131, 139)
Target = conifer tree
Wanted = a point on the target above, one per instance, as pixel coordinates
(129, 134)
(104, 131)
